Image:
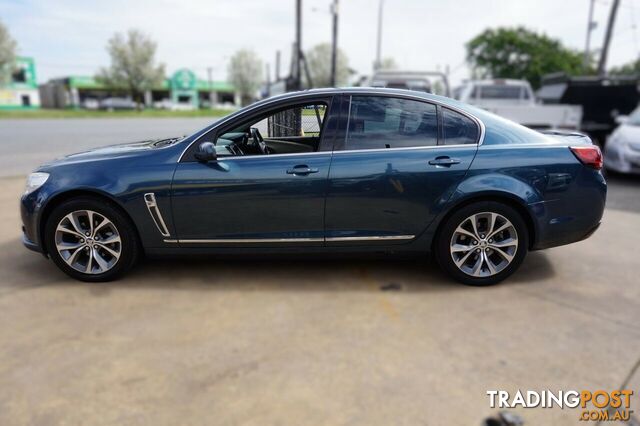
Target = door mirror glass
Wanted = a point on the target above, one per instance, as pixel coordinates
(206, 152)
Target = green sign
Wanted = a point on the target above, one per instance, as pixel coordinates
(183, 79)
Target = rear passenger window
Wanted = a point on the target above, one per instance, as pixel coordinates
(458, 129)
(378, 122)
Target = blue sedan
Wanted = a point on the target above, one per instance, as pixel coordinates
(323, 171)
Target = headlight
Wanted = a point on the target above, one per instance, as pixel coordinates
(35, 181)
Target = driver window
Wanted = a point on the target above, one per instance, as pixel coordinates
(296, 129)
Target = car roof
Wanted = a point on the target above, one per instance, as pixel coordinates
(354, 91)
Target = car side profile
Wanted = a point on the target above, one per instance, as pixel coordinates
(323, 171)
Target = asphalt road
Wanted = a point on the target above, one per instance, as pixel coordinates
(25, 144)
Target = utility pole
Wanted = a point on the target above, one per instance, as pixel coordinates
(602, 65)
(334, 46)
(210, 82)
(378, 63)
(298, 49)
(268, 78)
(591, 25)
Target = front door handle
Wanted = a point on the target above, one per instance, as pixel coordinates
(444, 161)
(302, 170)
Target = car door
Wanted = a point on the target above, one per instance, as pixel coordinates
(396, 162)
(256, 200)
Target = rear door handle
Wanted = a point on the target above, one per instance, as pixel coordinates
(444, 161)
(302, 170)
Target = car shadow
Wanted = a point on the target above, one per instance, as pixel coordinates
(23, 270)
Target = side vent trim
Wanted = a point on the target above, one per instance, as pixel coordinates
(154, 211)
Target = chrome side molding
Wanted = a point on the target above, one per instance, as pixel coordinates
(291, 240)
(372, 238)
(154, 211)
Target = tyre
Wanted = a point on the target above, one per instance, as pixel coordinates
(482, 243)
(91, 239)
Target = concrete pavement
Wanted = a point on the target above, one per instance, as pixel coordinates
(311, 342)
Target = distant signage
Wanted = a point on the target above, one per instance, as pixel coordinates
(183, 79)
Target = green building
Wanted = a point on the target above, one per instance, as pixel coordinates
(182, 91)
(22, 90)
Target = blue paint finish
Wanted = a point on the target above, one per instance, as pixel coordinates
(251, 197)
(352, 194)
(391, 192)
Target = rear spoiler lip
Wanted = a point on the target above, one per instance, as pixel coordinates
(568, 136)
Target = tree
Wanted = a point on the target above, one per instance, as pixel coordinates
(520, 53)
(319, 61)
(7, 54)
(133, 66)
(630, 68)
(245, 73)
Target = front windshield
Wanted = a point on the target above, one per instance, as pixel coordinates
(634, 117)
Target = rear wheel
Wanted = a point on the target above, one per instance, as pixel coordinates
(482, 243)
(91, 240)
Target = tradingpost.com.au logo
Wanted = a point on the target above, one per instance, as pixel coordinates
(596, 405)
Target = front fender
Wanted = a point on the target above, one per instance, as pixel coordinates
(124, 185)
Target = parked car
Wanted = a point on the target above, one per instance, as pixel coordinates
(168, 104)
(381, 170)
(514, 99)
(622, 150)
(115, 104)
(420, 81)
(91, 104)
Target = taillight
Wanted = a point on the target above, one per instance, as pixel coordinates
(590, 156)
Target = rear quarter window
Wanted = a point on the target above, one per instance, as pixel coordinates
(458, 129)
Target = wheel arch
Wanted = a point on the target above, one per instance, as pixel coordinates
(497, 197)
(62, 197)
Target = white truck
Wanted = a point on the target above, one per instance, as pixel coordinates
(515, 100)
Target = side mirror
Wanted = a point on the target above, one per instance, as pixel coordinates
(206, 152)
(621, 119)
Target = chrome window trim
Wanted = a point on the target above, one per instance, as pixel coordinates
(312, 94)
(154, 210)
(289, 240)
(346, 151)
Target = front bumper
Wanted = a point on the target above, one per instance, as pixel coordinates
(622, 159)
(30, 244)
(30, 210)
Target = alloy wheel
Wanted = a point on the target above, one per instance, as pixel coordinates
(88, 242)
(484, 244)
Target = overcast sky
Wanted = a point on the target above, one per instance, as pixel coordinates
(69, 36)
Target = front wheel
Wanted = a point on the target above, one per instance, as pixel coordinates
(482, 243)
(91, 240)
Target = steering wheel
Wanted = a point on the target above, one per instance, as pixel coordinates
(258, 141)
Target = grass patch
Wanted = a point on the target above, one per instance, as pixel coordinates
(81, 113)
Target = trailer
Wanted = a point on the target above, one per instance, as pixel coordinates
(602, 99)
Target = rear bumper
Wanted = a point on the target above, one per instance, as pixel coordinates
(574, 215)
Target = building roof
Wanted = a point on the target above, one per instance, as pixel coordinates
(90, 82)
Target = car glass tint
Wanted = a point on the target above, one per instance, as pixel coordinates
(378, 122)
(458, 129)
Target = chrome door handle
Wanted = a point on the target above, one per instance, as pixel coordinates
(444, 161)
(302, 170)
